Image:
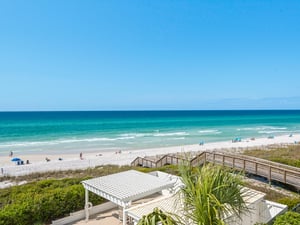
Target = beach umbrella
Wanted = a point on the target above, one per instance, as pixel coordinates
(15, 159)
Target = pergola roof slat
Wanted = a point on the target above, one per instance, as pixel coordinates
(127, 186)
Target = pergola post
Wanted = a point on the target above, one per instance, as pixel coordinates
(124, 216)
(125, 206)
(86, 206)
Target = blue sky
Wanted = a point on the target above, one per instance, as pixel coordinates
(109, 55)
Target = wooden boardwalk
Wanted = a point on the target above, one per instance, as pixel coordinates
(264, 168)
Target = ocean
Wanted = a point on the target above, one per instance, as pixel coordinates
(70, 132)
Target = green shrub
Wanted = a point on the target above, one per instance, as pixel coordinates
(290, 202)
(289, 218)
(42, 201)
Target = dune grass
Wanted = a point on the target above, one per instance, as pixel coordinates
(289, 155)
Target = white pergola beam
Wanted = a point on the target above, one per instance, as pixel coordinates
(125, 187)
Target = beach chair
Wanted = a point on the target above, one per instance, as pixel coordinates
(237, 139)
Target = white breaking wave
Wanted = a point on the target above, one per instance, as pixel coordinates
(261, 128)
(156, 133)
(249, 128)
(178, 138)
(127, 136)
(278, 128)
(65, 141)
(135, 135)
(25, 144)
(209, 132)
(170, 134)
(272, 132)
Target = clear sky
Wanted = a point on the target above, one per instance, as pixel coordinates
(103, 55)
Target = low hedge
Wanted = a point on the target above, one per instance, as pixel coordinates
(289, 218)
(42, 201)
(290, 202)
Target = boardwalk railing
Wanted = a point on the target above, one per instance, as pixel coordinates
(264, 168)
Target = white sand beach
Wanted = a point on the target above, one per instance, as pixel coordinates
(92, 159)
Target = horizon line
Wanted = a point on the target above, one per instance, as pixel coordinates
(145, 110)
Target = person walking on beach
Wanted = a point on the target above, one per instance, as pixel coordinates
(11, 153)
(80, 155)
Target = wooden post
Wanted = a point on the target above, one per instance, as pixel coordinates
(255, 167)
(244, 166)
(233, 162)
(223, 160)
(284, 176)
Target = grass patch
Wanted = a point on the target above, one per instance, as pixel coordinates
(289, 155)
(291, 199)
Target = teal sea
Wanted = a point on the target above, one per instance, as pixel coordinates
(68, 132)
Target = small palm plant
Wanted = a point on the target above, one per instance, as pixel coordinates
(210, 194)
(157, 217)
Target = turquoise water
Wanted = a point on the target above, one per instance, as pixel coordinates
(53, 132)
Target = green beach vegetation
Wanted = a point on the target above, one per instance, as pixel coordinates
(289, 155)
(156, 217)
(52, 195)
(48, 196)
(289, 218)
(210, 192)
(42, 201)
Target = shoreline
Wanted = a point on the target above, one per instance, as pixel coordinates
(98, 158)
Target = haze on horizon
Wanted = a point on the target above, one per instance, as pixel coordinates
(129, 55)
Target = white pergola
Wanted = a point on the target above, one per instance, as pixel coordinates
(125, 187)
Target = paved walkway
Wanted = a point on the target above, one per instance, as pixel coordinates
(106, 218)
